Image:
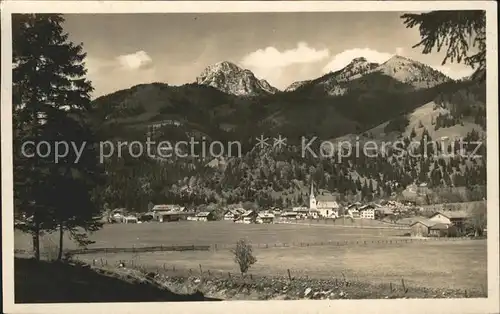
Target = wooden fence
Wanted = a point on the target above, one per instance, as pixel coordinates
(144, 249)
(227, 246)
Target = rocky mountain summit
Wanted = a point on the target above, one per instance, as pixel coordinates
(231, 79)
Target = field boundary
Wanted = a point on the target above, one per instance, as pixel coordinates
(161, 248)
(220, 247)
(331, 225)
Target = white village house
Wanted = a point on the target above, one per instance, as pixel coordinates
(352, 210)
(232, 215)
(367, 211)
(457, 218)
(265, 218)
(129, 219)
(248, 217)
(204, 216)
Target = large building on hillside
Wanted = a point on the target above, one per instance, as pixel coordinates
(155, 126)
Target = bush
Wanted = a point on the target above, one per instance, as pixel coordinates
(243, 255)
(477, 222)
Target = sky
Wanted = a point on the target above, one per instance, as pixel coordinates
(124, 50)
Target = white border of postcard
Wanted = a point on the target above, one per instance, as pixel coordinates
(485, 305)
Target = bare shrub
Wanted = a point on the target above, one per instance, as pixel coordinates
(477, 221)
(243, 255)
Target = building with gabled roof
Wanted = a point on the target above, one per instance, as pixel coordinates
(250, 216)
(458, 218)
(232, 214)
(265, 217)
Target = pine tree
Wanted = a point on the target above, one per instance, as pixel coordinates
(51, 99)
(454, 30)
(412, 134)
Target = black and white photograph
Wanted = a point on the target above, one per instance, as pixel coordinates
(267, 152)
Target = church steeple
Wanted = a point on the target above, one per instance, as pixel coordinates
(312, 199)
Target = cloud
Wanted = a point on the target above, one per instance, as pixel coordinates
(109, 74)
(135, 61)
(272, 64)
(271, 57)
(96, 65)
(344, 58)
(455, 72)
(400, 51)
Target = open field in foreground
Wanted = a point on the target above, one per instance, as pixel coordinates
(439, 264)
(457, 264)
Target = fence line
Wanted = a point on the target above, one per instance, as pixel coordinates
(144, 249)
(327, 222)
(224, 246)
(216, 247)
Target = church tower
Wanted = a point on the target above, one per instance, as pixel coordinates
(312, 199)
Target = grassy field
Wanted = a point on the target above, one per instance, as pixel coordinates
(459, 264)
(222, 233)
(439, 264)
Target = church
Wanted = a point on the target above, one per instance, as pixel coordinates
(325, 205)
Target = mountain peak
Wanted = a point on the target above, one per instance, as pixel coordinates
(357, 67)
(359, 59)
(396, 57)
(231, 79)
(400, 59)
(412, 72)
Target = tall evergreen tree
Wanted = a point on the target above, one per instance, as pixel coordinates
(51, 99)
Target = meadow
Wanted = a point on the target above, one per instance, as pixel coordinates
(222, 233)
(385, 257)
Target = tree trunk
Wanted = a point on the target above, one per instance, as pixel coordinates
(36, 242)
(61, 235)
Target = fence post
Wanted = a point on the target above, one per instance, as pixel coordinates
(201, 270)
(289, 275)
